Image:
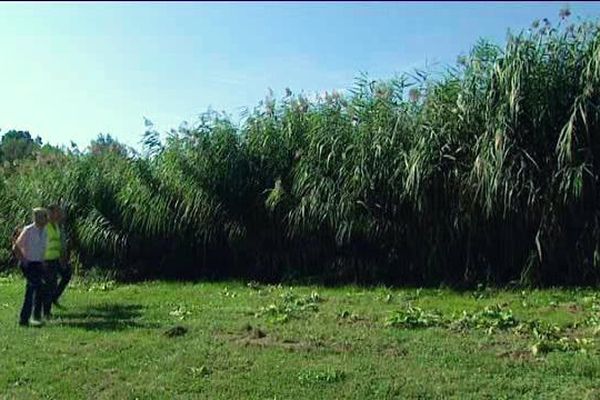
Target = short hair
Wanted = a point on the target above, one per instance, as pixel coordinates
(39, 212)
(54, 207)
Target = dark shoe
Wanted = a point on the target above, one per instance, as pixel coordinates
(24, 323)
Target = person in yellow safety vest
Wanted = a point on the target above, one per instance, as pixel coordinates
(56, 259)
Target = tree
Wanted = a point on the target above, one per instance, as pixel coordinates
(17, 145)
(104, 144)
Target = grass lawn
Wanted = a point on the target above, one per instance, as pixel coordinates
(240, 341)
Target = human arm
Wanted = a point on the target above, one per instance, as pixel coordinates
(64, 251)
(19, 246)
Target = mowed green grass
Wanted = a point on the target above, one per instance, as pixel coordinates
(111, 343)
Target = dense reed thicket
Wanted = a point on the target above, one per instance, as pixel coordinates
(487, 172)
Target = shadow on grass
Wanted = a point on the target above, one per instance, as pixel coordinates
(105, 317)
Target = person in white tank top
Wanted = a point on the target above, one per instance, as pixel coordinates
(29, 248)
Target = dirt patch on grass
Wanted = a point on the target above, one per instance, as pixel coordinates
(395, 352)
(574, 308)
(517, 355)
(253, 333)
(501, 342)
(504, 347)
(175, 331)
(258, 337)
(349, 318)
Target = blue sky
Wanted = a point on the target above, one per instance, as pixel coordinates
(70, 71)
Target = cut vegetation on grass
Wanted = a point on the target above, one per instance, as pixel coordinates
(126, 341)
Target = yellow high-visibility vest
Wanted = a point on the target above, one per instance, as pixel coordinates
(53, 245)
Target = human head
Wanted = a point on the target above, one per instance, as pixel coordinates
(55, 213)
(40, 217)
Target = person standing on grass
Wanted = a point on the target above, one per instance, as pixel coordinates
(29, 248)
(56, 259)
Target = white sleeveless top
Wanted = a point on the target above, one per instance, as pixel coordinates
(34, 243)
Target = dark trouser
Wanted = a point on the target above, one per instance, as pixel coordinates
(56, 287)
(50, 278)
(34, 291)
